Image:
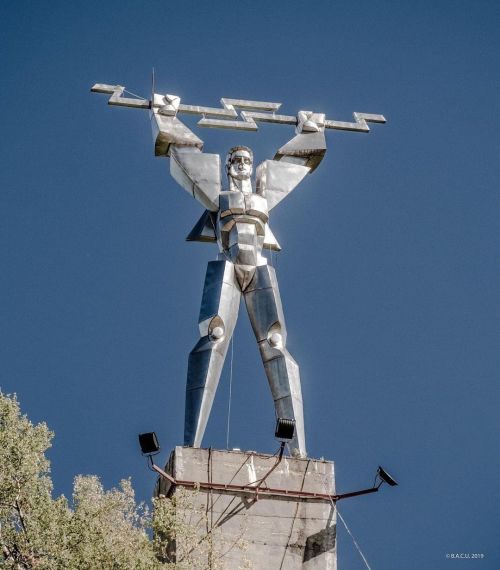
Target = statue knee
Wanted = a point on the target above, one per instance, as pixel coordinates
(274, 344)
(276, 338)
(216, 329)
(213, 336)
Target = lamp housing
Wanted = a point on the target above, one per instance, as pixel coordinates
(385, 477)
(285, 429)
(149, 443)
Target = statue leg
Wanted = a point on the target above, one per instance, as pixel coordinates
(218, 314)
(264, 308)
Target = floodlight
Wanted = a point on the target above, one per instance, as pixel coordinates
(385, 477)
(285, 429)
(149, 443)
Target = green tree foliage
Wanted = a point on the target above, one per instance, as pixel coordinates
(97, 529)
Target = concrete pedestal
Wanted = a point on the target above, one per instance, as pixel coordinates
(262, 529)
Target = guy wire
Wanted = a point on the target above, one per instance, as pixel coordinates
(335, 508)
(230, 392)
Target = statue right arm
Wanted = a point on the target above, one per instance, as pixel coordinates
(298, 157)
(308, 147)
(198, 173)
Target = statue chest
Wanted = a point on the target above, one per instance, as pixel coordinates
(237, 204)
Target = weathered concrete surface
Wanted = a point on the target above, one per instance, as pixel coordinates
(273, 532)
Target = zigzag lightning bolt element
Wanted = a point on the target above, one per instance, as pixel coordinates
(223, 118)
(248, 123)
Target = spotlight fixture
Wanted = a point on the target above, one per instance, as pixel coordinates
(381, 477)
(384, 477)
(285, 429)
(149, 443)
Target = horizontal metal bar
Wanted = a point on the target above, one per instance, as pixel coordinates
(163, 473)
(267, 491)
(105, 88)
(129, 102)
(228, 111)
(246, 104)
(357, 493)
(267, 118)
(209, 111)
(345, 126)
(223, 124)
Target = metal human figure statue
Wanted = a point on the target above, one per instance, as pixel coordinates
(237, 218)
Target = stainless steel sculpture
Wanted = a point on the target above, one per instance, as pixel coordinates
(236, 217)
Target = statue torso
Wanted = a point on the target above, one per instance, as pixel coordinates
(240, 230)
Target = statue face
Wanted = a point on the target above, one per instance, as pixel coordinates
(240, 165)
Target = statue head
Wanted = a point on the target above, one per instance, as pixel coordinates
(239, 162)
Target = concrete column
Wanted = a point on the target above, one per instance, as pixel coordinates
(246, 529)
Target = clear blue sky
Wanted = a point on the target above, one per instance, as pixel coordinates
(390, 266)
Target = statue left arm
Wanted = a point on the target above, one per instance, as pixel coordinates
(308, 147)
(278, 177)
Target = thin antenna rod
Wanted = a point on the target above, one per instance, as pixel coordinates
(152, 86)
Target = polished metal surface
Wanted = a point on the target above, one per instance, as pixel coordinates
(263, 303)
(237, 218)
(219, 311)
(275, 180)
(168, 130)
(197, 173)
(223, 118)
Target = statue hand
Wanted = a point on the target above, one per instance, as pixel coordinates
(170, 105)
(167, 129)
(309, 122)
